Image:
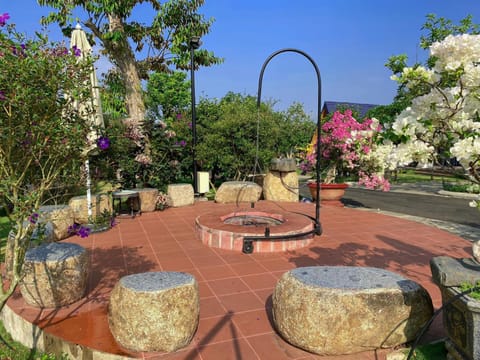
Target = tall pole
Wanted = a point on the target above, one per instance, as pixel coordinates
(194, 44)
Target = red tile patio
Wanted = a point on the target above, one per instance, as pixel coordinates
(235, 288)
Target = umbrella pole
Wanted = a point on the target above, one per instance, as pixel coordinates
(89, 190)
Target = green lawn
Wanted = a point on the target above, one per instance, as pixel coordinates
(412, 176)
(16, 351)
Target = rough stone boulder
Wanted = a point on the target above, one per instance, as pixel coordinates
(181, 194)
(231, 192)
(61, 217)
(154, 311)
(100, 204)
(281, 186)
(55, 274)
(148, 199)
(333, 310)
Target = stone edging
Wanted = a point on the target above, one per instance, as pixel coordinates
(461, 195)
(32, 336)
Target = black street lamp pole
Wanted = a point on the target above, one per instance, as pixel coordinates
(194, 44)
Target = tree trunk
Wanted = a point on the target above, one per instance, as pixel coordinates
(122, 55)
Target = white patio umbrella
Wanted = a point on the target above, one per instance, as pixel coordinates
(80, 42)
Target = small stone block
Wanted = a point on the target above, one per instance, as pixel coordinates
(232, 192)
(148, 199)
(181, 194)
(100, 204)
(447, 271)
(154, 311)
(61, 217)
(281, 186)
(335, 310)
(55, 275)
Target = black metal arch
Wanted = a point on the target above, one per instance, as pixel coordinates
(248, 240)
(319, 104)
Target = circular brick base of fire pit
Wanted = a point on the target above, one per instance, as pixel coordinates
(226, 227)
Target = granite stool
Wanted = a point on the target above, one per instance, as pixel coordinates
(234, 192)
(54, 275)
(61, 217)
(154, 311)
(181, 194)
(148, 199)
(334, 310)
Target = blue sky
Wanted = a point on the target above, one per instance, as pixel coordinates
(350, 41)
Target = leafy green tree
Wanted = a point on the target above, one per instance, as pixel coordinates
(227, 134)
(113, 94)
(166, 38)
(43, 136)
(438, 28)
(168, 95)
(296, 130)
(435, 29)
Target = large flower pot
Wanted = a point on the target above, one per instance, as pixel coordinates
(461, 320)
(330, 194)
(461, 313)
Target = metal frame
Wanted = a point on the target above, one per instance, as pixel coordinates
(248, 240)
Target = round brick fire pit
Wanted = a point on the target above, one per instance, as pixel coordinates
(226, 227)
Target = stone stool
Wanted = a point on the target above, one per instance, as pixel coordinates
(148, 199)
(232, 192)
(100, 203)
(154, 311)
(281, 186)
(61, 217)
(181, 194)
(334, 310)
(55, 274)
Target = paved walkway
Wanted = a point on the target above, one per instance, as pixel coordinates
(235, 289)
(435, 188)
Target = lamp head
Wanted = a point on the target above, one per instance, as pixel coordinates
(195, 42)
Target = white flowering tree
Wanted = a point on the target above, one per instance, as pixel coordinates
(445, 121)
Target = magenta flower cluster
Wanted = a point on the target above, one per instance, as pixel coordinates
(344, 144)
(342, 141)
(345, 139)
(3, 19)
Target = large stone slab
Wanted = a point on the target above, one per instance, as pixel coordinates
(100, 204)
(232, 192)
(181, 194)
(54, 274)
(447, 271)
(281, 186)
(61, 217)
(154, 311)
(333, 310)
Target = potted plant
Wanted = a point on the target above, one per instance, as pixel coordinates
(347, 147)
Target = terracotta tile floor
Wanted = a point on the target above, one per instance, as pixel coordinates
(235, 289)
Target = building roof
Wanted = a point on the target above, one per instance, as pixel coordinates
(331, 106)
